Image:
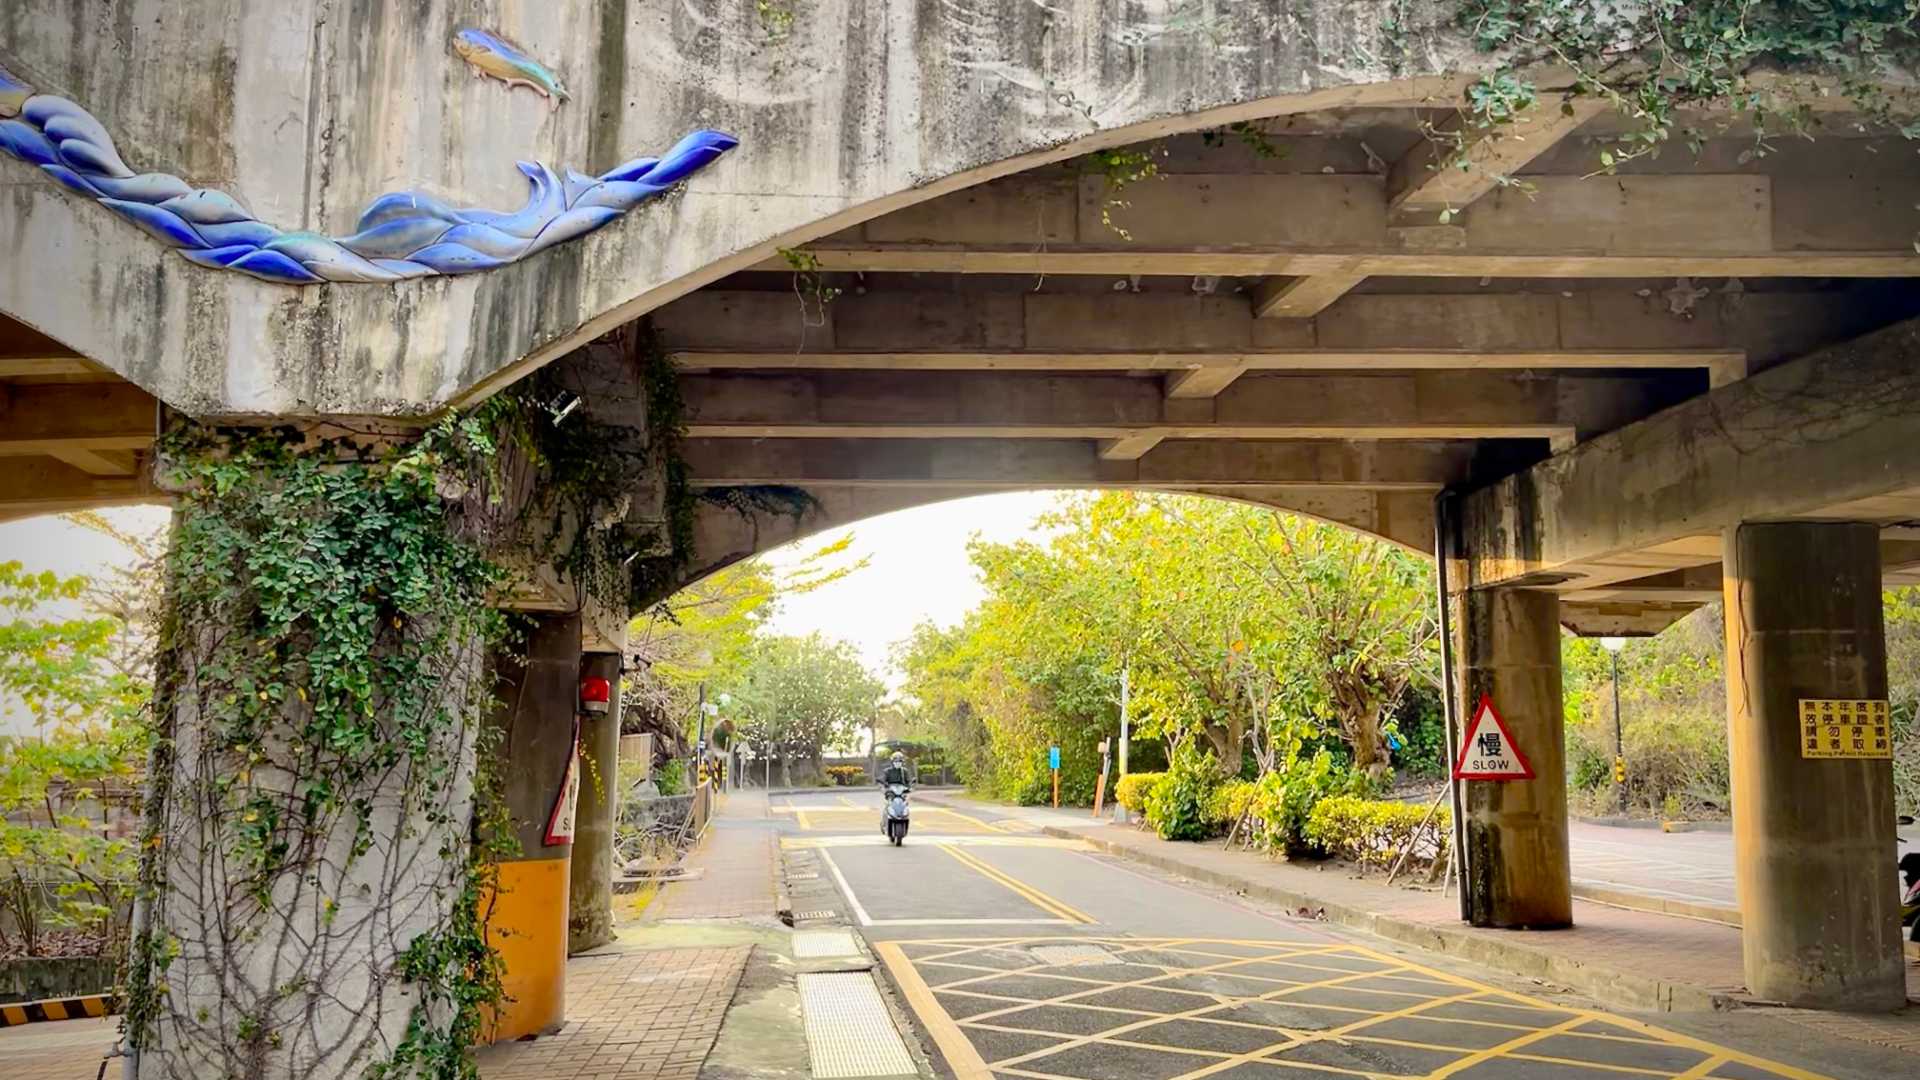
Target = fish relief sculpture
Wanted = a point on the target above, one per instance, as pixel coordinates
(492, 56)
(400, 235)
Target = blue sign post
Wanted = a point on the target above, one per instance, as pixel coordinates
(1053, 762)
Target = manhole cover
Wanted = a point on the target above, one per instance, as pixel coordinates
(849, 1032)
(1060, 955)
(813, 944)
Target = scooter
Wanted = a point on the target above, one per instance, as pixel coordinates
(895, 819)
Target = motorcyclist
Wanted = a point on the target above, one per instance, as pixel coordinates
(896, 772)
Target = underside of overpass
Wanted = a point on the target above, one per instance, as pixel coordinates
(1610, 393)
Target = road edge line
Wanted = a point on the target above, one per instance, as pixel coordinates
(959, 1054)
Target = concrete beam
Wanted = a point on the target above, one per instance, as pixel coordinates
(34, 486)
(75, 417)
(965, 329)
(1422, 182)
(1301, 297)
(1000, 465)
(31, 367)
(1420, 405)
(1827, 436)
(100, 462)
(1563, 226)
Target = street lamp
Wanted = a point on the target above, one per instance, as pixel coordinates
(1613, 645)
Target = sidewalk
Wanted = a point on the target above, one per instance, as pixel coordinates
(1631, 959)
(730, 873)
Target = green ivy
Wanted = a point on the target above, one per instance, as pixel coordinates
(348, 592)
(1654, 60)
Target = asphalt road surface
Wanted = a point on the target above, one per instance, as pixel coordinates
(1020, 955)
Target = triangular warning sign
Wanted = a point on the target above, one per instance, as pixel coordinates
(1489, 752)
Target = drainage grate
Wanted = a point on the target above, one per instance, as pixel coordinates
(1061, 955)
(813, 944)
(803, 877)
(849, 1032)
(798, 915)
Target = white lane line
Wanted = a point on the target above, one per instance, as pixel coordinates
(846, 889)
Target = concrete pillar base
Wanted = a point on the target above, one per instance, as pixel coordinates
(1813, 838)
(590, 898)
(1518, 874)
(527, 916)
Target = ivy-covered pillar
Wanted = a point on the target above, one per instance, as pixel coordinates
(309, 889)
(527, 913)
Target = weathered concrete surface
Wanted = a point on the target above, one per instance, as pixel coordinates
(590, 893)
(1518, 873)
(528, 916)
(1813, 839)
(1831, 434)
(304, 111)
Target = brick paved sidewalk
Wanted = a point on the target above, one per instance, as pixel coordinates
(734, 866)
(635, 1015)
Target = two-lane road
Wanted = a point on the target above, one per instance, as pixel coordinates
(1022, 955)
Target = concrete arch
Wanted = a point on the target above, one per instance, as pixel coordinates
(724, 536)
(927, 97)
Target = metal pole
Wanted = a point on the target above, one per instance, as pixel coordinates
(1441, 527)
(1619, 741)
(1126, 674)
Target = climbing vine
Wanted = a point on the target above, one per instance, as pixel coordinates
(1654, 60)
(330, 605)
(1121, 168)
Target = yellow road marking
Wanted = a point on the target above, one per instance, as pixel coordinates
(1284, 952)
(1031, 895)
(962, 1058)
(801, 814)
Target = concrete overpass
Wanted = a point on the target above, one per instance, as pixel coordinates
(1690, 378)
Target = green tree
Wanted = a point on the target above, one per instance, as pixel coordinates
(798, 696)
(66, 870)
(704, 633)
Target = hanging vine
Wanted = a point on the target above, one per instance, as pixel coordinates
(330, 605)
(1653, 61)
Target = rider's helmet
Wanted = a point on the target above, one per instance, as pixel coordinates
(899, 758)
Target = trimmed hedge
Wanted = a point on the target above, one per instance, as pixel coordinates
(1230, 802)
(1131, 791)
(1374, 832)
(846, 775)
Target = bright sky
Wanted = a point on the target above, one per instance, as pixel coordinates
(49, 543)
(918, 570)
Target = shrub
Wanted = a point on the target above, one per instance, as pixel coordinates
(1177, 804)
(1131, 791)
(1230, 802)
(846, 775)
(1374, 832)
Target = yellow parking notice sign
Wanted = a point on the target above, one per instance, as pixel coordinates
(1832, 728)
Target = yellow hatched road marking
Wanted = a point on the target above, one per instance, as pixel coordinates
(1283, 952)
(1031, 895)
(962, 1058)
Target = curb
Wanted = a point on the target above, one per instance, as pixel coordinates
(73, 1008)
(1633, 901)
(1620, 988)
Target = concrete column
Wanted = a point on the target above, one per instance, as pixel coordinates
(539, 697)
(1813, 838)
(591, 900)
(1508, 649)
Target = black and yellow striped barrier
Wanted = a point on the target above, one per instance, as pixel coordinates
(76, 1008)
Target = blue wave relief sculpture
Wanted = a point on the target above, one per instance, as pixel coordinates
(399, 236)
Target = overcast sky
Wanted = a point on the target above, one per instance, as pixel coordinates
(917, 568)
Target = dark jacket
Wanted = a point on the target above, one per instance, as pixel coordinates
(896, 774)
